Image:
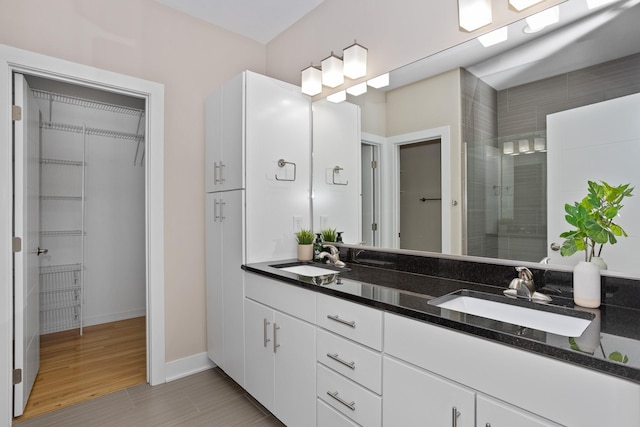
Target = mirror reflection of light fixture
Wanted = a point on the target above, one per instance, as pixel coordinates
(311, 80)
(523, 146)
(473, 14)
(358, 89)
(507, 147)
(337, 97)
(380, 81)
(355, 61)
(332, 71)
(523, 4)
(494, 37)
(539, 144)
(541, 20)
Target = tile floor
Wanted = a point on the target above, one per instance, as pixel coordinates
(208, 398)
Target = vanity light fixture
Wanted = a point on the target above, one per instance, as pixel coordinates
(380, 81)
(523, 146)
(311, 80)
(337, 97)
(523, 4)
(541, 20)
(539, 144)
(494, 37)
(358, 89)
(473, 14)
(507, 147)
(332, 71)
(592, 4)
(355, 61)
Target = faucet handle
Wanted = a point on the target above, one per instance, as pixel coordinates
(524, 273)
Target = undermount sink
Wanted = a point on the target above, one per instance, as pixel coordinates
(552, 319)
(307, 270)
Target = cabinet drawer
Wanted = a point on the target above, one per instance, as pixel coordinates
(329, 417)
(354, 321)
(290, 299)
(349, 398)
(352, 360)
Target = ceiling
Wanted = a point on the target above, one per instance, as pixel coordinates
(260, 20)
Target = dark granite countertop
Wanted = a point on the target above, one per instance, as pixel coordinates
(613, 335)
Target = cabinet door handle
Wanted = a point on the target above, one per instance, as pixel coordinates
(337, 318)
(222, 203)
(454, 416)
(216, 217)
(222, 179)
(264, 332)
(215, 173)
(487, 425)
(334, 356)
(275, 344)
(351, 405)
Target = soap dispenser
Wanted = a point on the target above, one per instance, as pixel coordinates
(317, 247)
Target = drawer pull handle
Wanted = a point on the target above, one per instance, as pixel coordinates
(335, 357)
(337, 318)
(275, 344)
(351, 405)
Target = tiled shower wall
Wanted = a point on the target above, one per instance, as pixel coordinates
(523, 110)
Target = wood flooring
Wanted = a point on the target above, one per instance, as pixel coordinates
(74, 368)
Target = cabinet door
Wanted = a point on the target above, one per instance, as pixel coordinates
(295, 368)
(213, 140)
(214, 293)
(414, 397)
(493, 413)
(231, 257)
(259, 360)
(231, 170)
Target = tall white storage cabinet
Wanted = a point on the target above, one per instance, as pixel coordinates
(258, 167)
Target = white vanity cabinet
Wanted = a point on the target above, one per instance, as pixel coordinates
(348, 351)
(280, 349)
(512, 386)
(415, 397)
(252, 122)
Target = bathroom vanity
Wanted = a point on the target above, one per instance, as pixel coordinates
(364, 347)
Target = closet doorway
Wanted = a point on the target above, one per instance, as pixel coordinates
(92, 251)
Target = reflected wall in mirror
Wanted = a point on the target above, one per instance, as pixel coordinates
(493, 105)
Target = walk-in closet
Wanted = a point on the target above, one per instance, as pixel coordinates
(92, 214)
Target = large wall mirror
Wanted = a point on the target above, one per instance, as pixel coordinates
(475, 150)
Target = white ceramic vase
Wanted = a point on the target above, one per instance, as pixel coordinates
(305, 252)
(586, 284)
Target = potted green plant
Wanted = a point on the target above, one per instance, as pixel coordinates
(305, 238)
(329, 235)
(593, 219)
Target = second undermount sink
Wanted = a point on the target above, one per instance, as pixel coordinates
(307, 270)
(552, 319)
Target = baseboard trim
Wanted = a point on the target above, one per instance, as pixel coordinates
(113, 317)
(186, 366)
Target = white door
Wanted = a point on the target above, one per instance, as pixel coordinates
(26, 309)
(369, 199)
(606, 138)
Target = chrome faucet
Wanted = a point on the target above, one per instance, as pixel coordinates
(333, 256)
(523, 284)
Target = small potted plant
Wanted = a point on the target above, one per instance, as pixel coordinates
(593, 219)
(305, 238)
(329, 235)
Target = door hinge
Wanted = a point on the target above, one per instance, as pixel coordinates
(17, 376)
(374, 164)
(16, 113)
(374, 226)
(16, 244)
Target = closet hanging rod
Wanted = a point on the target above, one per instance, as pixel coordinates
(43, 94)
(91, 131)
